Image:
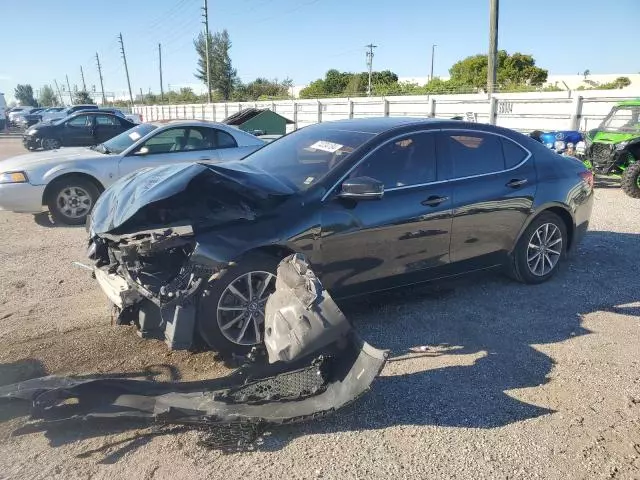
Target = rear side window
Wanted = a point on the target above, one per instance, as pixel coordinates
(514, 154)
(474, 153)
(224, 140)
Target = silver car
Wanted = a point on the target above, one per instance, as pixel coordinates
(68, 181)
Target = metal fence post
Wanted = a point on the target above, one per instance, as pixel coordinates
(319, 112)
(350, 108)
(493, 110)
(295, 115)
(226, 109)
(576, 118)
(385, 107)
(432, 107)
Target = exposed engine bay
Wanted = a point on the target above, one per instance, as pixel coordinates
(311, 364)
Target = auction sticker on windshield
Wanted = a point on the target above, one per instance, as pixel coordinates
(326, 146)
(134, 136)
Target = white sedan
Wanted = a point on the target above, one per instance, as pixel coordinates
(68, 181)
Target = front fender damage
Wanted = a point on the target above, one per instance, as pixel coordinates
(313, 363)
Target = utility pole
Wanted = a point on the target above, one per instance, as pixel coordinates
(126, 69)
(493, 46)
(160, 59)
(433, 52)
(104, 100)
(58, 89)
(69, 87)
(370, 64)
(141, 96)
(84, 85)
(205, 14)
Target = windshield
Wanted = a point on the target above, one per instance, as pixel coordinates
(622, 119)
(306, 156)
(120, 143)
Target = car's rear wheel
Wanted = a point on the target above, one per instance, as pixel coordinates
(71, 199)
(231, 309)
(630, 182)
(540, 250)
(50, 143)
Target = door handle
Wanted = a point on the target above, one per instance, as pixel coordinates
(516, 182)
(434, 201)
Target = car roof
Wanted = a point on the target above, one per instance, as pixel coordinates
(376, 125)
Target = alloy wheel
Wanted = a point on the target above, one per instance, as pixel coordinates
(74, 202)
(240, 312)
(544, 250)
(50, 144)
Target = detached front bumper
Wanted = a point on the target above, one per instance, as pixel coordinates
(21, 197)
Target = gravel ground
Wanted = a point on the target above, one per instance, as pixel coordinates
(514, 381)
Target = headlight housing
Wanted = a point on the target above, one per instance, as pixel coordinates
(13, 177)
(621, 145)
(31, 131)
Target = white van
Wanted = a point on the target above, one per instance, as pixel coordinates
(3, 107)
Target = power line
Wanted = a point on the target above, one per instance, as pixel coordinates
(371, 46)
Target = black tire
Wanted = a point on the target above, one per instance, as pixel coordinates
(523, 264)
(50, 143)
(630, 182)
(81, 190)
(216, 295)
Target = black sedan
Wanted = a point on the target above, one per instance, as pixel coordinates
(84, 128)
(372, 203)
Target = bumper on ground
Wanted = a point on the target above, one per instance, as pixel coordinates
(21, 197)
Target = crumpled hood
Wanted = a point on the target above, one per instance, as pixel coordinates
(187, 194)
(51, 157)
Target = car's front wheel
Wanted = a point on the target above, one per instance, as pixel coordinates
(630, 182)
(540, 250)
(71, 199)
(50, 143)
(231, 309)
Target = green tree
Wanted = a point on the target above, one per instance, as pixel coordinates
(48, 97)
(224, 78)
(513, 70)
(82, 97)
(24, 95)
(263, 89)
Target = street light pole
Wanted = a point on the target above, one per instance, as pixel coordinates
(433, 51)
(492, 66)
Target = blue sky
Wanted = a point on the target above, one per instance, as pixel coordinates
(302, 39)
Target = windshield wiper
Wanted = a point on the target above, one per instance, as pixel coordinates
(103, 148)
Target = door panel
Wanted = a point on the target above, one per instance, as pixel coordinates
(376, 239)
(78, 131)
(489, 209)
(405, 233)
(106, 127)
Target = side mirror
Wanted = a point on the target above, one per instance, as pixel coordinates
(362, 188)
(143, 151)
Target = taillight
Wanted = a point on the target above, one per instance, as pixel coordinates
(587, 177)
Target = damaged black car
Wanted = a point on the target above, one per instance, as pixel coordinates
(187, 251)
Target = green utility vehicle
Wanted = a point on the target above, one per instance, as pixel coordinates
(614, 147)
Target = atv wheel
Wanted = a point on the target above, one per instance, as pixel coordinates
(231, 309)
(540, 250)
(631, 180)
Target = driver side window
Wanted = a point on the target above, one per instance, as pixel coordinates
(81, 121)
(167, 141)
(402, 162)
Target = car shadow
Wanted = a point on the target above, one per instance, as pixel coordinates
(44, 219)
(460, 349)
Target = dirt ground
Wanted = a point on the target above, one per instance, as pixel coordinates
(515, 381)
